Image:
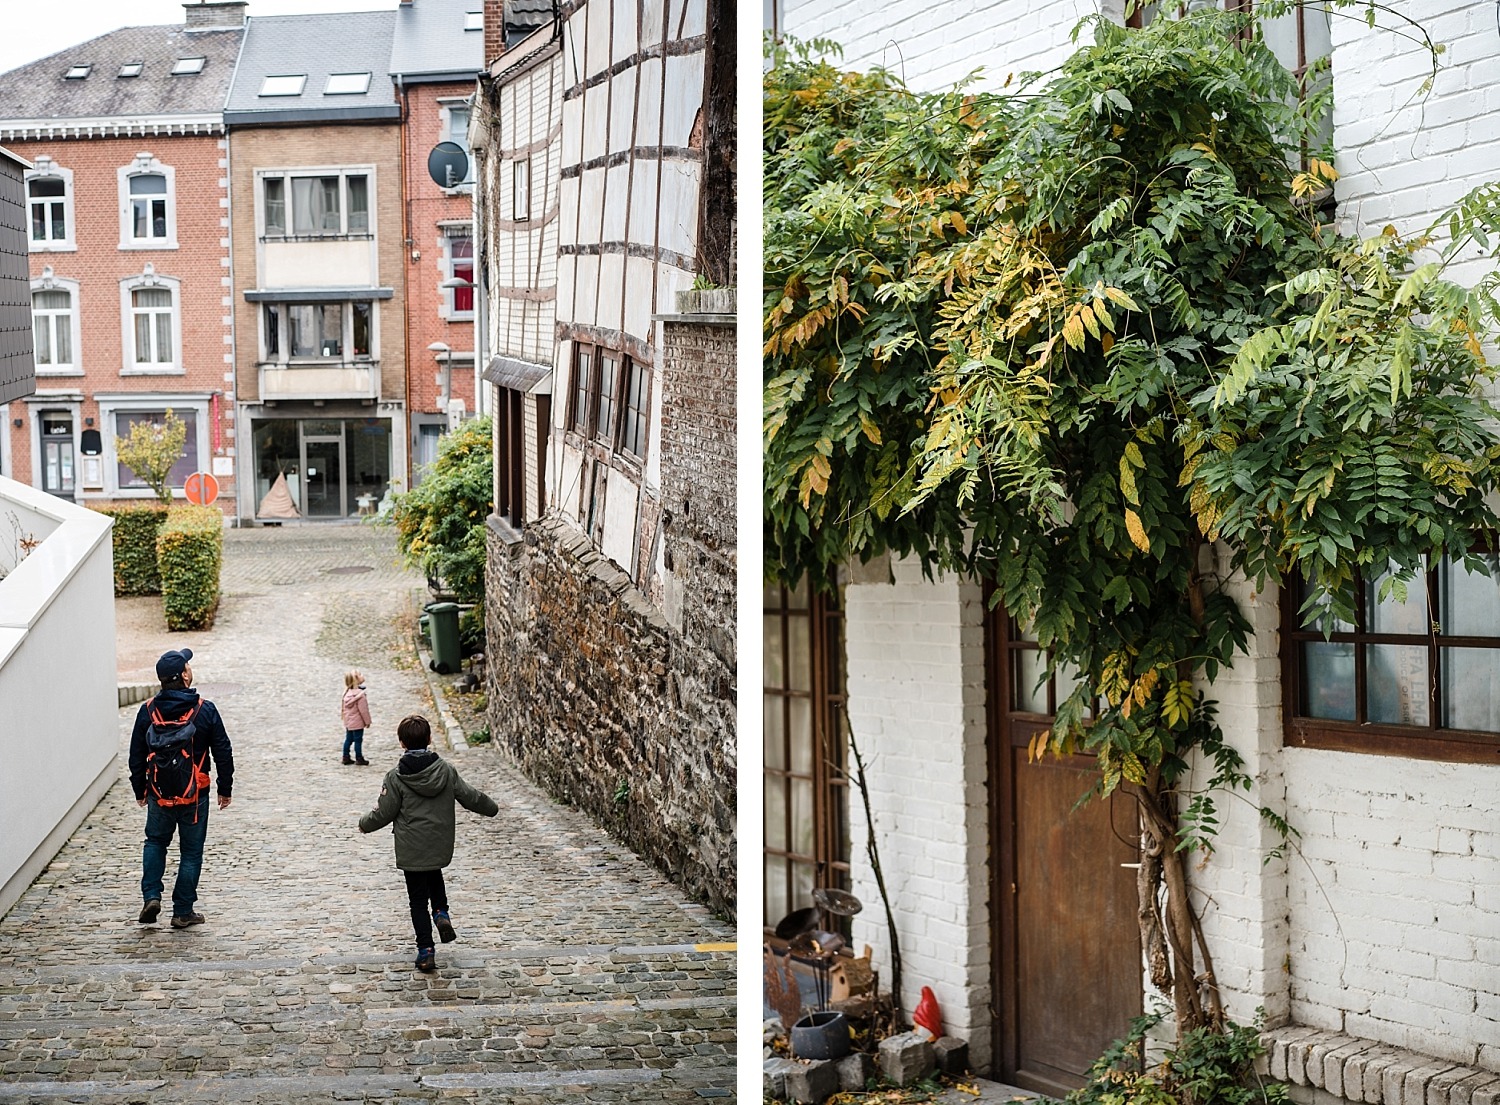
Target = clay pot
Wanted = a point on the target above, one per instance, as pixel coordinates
(821, 1036)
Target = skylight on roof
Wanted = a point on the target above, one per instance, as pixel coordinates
(285, 85)
(346, 84)
(77, 73)
(473, 21)
(131, 69)
(187, 65)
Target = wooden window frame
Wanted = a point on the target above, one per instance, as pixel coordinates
(828, 775)
(1423, 742)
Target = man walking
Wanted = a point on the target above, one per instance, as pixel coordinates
(175, 733)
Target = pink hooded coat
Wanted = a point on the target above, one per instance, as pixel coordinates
(356, 709)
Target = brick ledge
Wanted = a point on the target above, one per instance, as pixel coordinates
(1371, 1073)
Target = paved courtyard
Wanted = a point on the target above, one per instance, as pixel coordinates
(580, 973)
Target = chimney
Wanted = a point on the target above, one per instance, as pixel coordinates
(494, 30)
(215, 15)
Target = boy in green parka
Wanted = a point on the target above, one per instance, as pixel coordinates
(418, 795)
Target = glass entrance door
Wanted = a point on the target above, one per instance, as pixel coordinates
(57, 453)
(323, 481)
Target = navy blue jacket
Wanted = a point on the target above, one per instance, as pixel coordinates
(209, 737)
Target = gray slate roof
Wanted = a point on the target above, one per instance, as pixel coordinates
(317, 45)
(38, 90)
(431, 42)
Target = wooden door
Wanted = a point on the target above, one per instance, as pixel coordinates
(1067, 964)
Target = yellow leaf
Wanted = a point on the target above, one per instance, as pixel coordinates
(1137, 531)
(1089, 321)
(957, 219)
(1073, 332)
(871, 430)
(1108, 341)
(1127, 483)
(1115, 295)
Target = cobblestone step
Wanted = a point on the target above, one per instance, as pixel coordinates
(580, 974)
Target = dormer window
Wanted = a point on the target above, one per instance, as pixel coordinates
(131, 69)
(473, 21)
(185, 66)
(78, 72)
(347, 84)
(286, 85)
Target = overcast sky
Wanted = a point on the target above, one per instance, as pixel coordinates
(35, 29)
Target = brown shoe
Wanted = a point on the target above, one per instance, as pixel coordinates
(347, 761)
(150, 911)
(187, 921)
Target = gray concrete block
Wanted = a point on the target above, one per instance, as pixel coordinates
(812, 1082)
(775, 1072)
(951, 1054)
(855, 1071)
(906, 1058)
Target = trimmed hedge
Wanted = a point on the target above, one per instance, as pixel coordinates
(134, 538)
(189, 552)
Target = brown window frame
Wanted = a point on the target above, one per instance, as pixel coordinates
(1431, 741)
(827, 773)
(581, 391)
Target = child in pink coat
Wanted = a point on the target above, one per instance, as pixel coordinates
(356, 714)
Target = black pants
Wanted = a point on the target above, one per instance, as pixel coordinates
(423, 887)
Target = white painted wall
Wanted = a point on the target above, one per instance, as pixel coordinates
(916, 704)
(932, 49)
(57, 627)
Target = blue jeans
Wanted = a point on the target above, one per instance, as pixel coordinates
(161, 822)
(354, 738)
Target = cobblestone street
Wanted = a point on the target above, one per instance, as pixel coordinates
(580, 973)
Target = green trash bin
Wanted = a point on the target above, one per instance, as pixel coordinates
(442, 622)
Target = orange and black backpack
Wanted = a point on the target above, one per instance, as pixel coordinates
(173, 778)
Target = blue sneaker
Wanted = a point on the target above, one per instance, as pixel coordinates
(426, 961)
(444, 926)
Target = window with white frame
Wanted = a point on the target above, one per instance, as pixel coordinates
(151, 310)
(54, 324)
(521, 192)
(49, 197)
(148, 205)
(456, 129)
(332, 204)
(294, 332)
(458, 264)
(118, 418)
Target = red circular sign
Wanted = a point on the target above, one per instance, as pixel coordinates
(201, 488)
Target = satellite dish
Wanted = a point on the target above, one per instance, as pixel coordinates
(447, 164)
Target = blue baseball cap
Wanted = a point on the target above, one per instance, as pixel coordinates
(171, 663)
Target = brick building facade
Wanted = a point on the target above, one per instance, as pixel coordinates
(128, 205)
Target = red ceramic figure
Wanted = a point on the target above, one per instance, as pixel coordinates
(928, 1015)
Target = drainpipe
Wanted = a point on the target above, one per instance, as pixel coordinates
(481, 316)
(407, 248)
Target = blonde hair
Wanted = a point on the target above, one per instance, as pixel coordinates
(353, 678)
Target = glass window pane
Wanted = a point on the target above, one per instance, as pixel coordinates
(1396, 684)
(46, 187)
(148, 185)
(801, 735)
(802, 885)
(1311, 620)
(59, 222)
(775, 805)
(802, 820)
(776, 890)
(39, 222)
(63, 329)
(329, 190)
(1470, 600)
(797, 597)
(359, 204)
(275, 205)
(52, 301)
(1328, 680)
(799, 652)
(1392, 615)
(361, 329)
(152, 297)
(304, 329)
(774, 726)
(1028, 695)
(140, 222)
(142, 338)
(773, 670)
(163, 336)
(273, 330)
(42, 330)
(307, 207)
(1471, 688)
(331, 326)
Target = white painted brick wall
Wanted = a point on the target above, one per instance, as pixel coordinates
(916, 703)
(932, 49)
(1393, 936)
(1404, 156)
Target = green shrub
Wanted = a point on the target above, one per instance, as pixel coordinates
(440, 522)
(190, 551)
(471, 630)
(134, 537)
